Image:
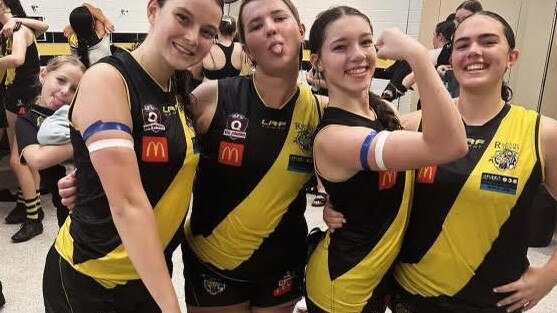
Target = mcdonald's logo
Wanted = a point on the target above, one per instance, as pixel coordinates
(154, 150)
(387, 179)
(231, 154)
(426, 175)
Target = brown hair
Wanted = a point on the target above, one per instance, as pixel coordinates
(385, 113)
(241, 29)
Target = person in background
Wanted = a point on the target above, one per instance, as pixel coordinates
(225, 58)
(89, 34)
(21, 61)
(59, 80)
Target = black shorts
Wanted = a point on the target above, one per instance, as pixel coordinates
(18, 101)
(206, 286)
(404, 302)
(3, 119)
(65, 290)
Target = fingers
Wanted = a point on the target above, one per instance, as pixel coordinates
(69, 202)
(518, 305)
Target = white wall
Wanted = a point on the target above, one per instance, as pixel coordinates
(130, 15)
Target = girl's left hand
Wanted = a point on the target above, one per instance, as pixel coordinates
(527, 291)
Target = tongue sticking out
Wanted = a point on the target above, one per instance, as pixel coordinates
(276, 49)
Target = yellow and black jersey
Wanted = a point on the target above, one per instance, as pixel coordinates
(249, 198)
(470, 219)
(164, 146)
(27, 74)
(348, 265)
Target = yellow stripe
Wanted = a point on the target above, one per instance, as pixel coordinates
(472, 225)
(235, 239)
(115, 268)
(351, 291)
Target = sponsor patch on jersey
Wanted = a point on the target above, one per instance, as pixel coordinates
(272, 124)
(304, 136)
(475, 143)
(426, 175)
(499, 183)
(169, 110)
(506, 157)
(285, 285)
(213, 286)
(154, 150)
(387, 179)
(236, 126)
(152, 119)
(300, 164)
(231, 154)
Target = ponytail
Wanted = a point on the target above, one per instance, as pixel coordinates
(385, 114)
(83, 52)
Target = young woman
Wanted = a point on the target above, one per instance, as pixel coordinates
(88, 35)
(358, 149)
(135, 159)
(59, 81)
(467, 241)
(21, 60)
(225, 58)
(245, 250)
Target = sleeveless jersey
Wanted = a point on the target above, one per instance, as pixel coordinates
(228, 70)
(163, 143)
(24, 76)
(249, 192)
(349, 264)
(469, 226)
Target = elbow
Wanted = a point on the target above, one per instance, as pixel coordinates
(456, 150)
(18, 62)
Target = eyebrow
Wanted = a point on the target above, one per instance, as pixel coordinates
(190, 15)
(258, 18)
(342, 39)
(481, 37)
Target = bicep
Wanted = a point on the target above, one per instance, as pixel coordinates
(549, 151)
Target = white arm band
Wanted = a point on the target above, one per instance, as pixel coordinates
(381, 139)
(110, 143)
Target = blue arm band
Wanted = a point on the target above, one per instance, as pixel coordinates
(365, 150)
(100, 126)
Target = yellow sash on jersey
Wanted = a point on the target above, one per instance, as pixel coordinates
(115, 268)
(476, 216)
(10, 72)
(243, 230)
(351, 291)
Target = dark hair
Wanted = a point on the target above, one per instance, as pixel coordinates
(385, 113)
(241, 29)
(451, 17)
(15, 8)
(180, 80)
(227, 26)
(445, 29)
(506, 91)
(83, 25)
(470, 5)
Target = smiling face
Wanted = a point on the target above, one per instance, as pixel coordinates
(273, 37)
(183, 30)
(481, 54)
(347, 56)
(59, 85)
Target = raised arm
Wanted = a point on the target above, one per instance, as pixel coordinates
(100, 17)
(20, 40)
(118, 171)
(443, 138)
(38, 27)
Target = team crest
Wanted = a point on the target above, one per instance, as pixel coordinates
(213, 286)
(304, 137)
(505, 159)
